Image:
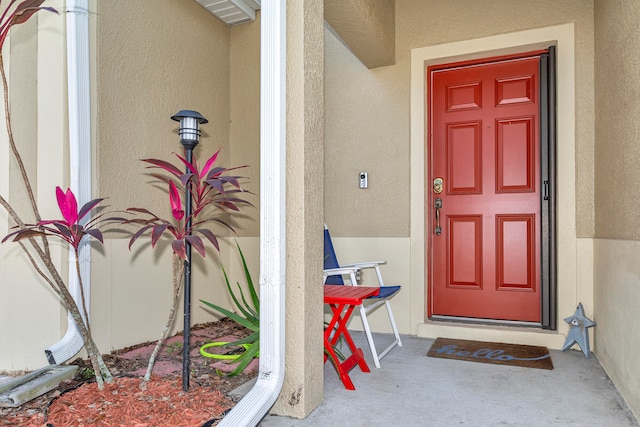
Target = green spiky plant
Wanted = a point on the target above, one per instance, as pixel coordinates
(248, 316)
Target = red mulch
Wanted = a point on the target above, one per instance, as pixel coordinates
(162, 402)
(122, 400)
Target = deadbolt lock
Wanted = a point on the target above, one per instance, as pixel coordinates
(437, 185)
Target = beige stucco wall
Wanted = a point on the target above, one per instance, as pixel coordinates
(302, 388)
(366, 119)
(30, 314)
(617, 120)
(617, 298)
(244, 126)
(616, 247)
(177, 56)
(367, 111)
(367, 27)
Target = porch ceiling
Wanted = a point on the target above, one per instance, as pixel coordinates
(232, 12)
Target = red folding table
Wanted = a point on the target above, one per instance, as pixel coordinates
(342, 300)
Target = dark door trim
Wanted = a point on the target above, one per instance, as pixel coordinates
(548, 196)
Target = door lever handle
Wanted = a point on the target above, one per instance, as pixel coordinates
(437, 204)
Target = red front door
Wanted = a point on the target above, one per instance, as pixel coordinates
(485, 154)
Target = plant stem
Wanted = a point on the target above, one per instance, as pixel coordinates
(84, 301)
(178, 266)
(101, 371)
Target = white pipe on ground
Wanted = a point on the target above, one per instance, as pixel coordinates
(78, 82)
(253, 407)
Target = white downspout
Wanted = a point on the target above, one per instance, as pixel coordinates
(78, 82)
(253, 407)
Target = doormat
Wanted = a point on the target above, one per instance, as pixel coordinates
(527, 356)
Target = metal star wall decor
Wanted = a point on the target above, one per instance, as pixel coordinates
(578, 333)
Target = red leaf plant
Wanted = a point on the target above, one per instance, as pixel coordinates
(214, 195)
(69, 229)
(14, 13)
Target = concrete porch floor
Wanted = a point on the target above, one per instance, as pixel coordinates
(411, 389)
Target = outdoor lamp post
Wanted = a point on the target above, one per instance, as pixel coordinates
(189, 137)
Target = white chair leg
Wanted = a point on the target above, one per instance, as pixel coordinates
(393, 322)
(395, 332)
(367, 330)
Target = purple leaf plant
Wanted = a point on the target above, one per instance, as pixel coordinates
(210, 187)
(215, 194)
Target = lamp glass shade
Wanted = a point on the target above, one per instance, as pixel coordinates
(189, 129)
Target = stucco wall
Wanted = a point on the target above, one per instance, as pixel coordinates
(367, 27)
(300, 393)
(617, 296)
(617, 120)
(31, 317)
(616, 273)
(367, 111)
(177, 56)
(244, 138)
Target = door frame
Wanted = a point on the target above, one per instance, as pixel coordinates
(572, 254)
(548, 163)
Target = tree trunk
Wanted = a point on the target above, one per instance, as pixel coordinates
(177, 283)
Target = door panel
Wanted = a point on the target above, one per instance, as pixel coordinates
(515, 155)
(466, 251)
(464, 149)
(485, 145)
(516, 242)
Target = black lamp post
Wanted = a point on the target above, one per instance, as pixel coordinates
(189, 138)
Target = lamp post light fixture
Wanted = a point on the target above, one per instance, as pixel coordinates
(189, 137)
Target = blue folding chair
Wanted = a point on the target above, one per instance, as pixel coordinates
(333, 275)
